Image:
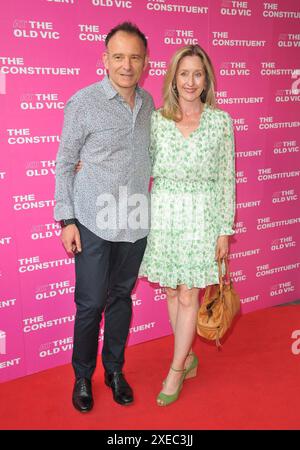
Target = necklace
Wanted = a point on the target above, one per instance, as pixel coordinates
(187, 118)
(190, 125)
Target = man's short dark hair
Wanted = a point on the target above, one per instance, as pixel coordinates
(127, 27)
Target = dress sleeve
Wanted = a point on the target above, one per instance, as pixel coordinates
(226, 180)
(153, 134)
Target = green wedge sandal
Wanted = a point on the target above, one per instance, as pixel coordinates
(165, 399)
(191, 370)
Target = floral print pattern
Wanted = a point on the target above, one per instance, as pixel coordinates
(192, 199)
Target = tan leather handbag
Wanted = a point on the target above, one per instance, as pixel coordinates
(219, 306)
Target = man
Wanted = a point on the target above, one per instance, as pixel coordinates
(107, 127)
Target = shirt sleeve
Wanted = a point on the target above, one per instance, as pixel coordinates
(71, 142)
(226, 180)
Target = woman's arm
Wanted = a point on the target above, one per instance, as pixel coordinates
(226, 189)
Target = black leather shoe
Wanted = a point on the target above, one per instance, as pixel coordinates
(121, 390)
(82, 395)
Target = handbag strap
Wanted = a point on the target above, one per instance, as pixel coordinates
(226, 274)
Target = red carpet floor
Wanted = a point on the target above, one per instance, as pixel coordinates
(253, 383)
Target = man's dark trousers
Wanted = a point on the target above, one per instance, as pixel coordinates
(106, 273)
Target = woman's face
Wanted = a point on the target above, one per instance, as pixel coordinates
(190, 78)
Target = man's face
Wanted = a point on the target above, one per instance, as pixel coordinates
(125, 60)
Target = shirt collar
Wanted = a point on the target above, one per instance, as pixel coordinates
(110, 91)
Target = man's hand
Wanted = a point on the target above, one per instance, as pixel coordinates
(222, 247)
(70, 237)
(78, 166)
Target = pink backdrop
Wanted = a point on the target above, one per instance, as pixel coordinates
(52, 48)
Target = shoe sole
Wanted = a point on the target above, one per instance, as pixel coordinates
(83, 410)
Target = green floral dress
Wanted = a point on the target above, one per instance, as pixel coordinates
(192, 199)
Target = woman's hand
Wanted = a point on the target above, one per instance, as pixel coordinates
(222, 247)
(78, 166)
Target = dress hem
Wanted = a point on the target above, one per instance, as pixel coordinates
(173, 286)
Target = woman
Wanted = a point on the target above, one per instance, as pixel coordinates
(193, 201)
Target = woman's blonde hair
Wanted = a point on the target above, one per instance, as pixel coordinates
(171, 109)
